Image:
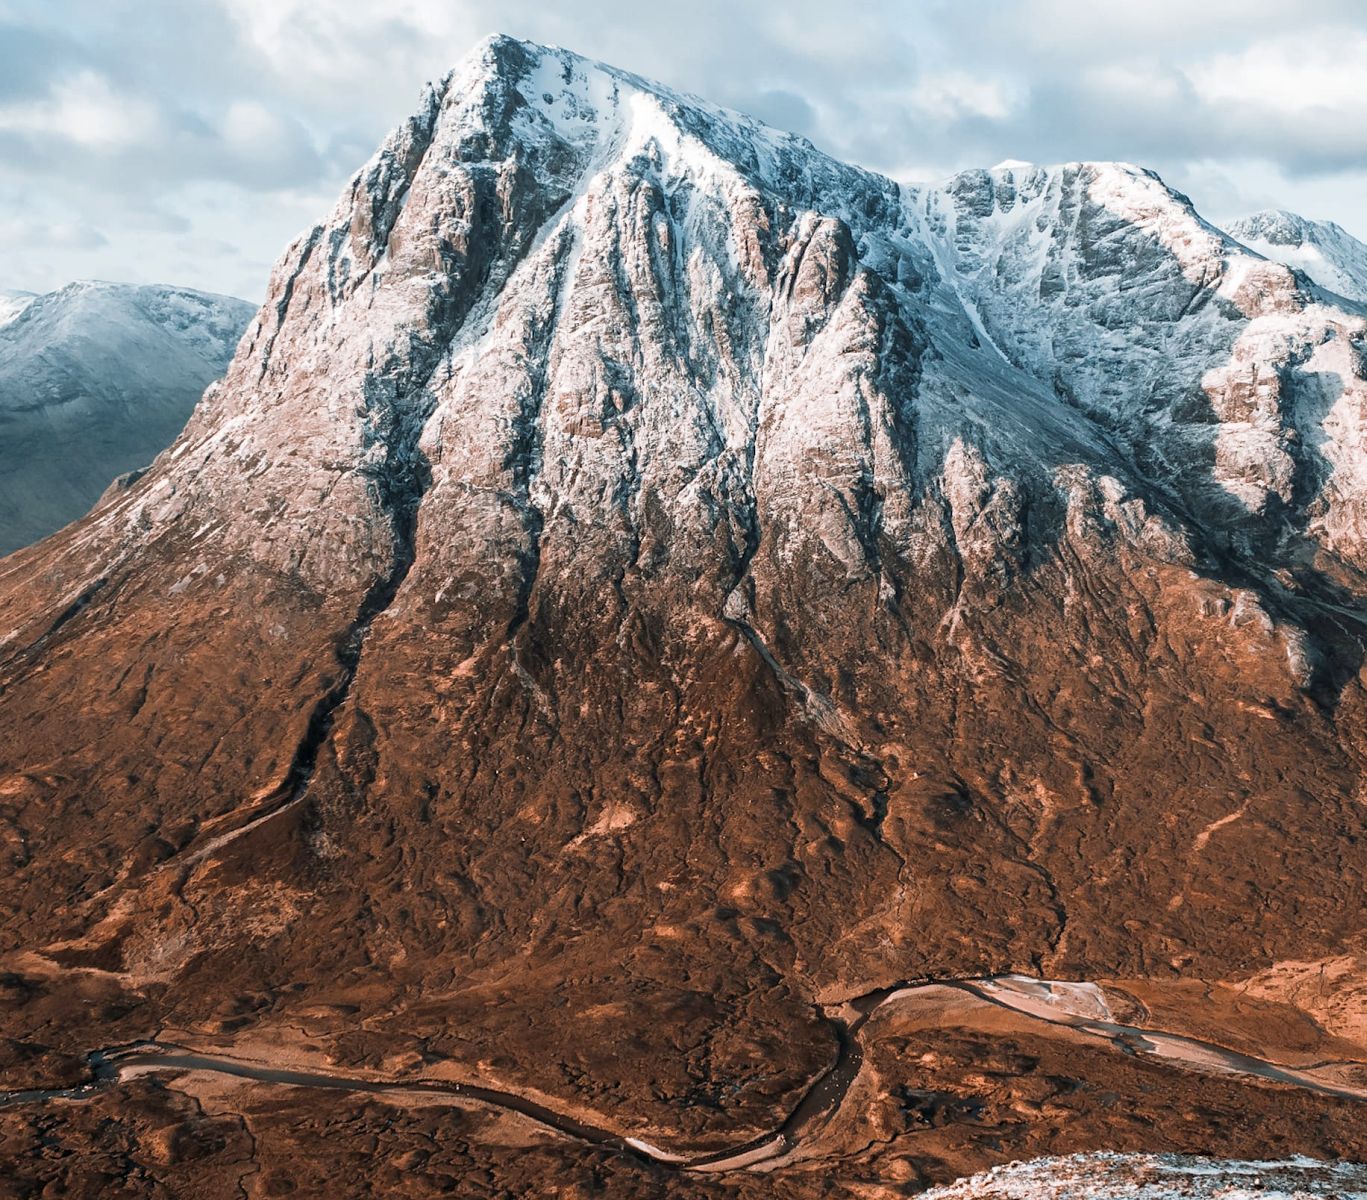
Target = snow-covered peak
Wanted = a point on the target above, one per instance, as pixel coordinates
(12, 303)
(98, 313)
(1276, 226)
(1076, 311)
(549, 95)
(1325, 251)
(540, 129)
(1031, 237)
(95, 380)
(1108, 286)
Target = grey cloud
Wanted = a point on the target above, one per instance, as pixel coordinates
(28, 59)
(58, 235)
(1066, 120)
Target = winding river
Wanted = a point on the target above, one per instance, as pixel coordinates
(1079, 1006)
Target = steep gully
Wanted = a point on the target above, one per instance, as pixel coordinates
(1036, 999)
(399, 485)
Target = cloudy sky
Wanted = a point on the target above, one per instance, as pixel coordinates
(186, 141)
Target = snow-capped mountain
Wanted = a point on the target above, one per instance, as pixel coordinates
(1326, 252)
(96, 380)
(643, 588)
(12, 303)
(1219, 380)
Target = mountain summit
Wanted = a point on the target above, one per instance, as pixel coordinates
(644, 590)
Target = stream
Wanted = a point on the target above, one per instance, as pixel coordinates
(1079, 1006)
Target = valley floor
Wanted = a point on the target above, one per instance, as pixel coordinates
(934, 1082)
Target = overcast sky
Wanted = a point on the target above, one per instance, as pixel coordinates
(186, 141)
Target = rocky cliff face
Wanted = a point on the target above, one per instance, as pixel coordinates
(1222, 378)
(641, 581)
(96, 380)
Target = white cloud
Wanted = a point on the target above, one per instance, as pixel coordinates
(1171, 28)
(1145, 82)
(950, 95)
(88, 110)
(1304, 75)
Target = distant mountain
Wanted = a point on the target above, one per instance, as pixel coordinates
(1326, 252)
(95, 380)
(13, 303)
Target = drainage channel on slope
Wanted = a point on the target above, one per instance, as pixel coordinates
(401, 504)
(820, 1102)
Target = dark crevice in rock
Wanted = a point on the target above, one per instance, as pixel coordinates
(873, 819)
(399, 484)
(400, 495)
(526, 451)
(398, 399)
(529, 563)
(751, 635)
(74, 609)
(287, 294)
(70, 612)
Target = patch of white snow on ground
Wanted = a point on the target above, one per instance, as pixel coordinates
(1160, 1177)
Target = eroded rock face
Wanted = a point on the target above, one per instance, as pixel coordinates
(641, 579)
(1225, 379)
